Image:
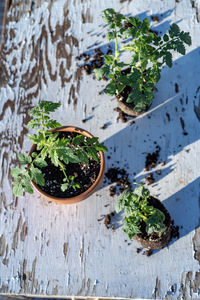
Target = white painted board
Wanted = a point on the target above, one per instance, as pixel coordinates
(50, 249)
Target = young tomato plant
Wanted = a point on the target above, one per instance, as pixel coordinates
(60, 151)
(149, 53)
(137, 211)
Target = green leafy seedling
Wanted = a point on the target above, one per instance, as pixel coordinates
(61, 151)
(137, 210)
(149, 53)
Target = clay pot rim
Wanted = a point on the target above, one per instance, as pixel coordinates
(91, 189)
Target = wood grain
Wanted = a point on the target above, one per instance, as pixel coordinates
(50, 249)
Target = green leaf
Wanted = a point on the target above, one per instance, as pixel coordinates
(54, 156)
(64, 186)
(180, 48)
(17, 189)
(53, 124)
(78, 140)
(101, 147)
(39, 162)
(34, 154)
(165, 37)
(101, 72)
(92, 153)
(91, 141)
(110, 89)
(109, 59)
(16, 172)
(174, 30)
(82, 155)
(37, 176)
(35, 112)
(120, 88)
(34, 123)
(185, 37)
(168, 59)
(27, 186)
(35, 139)
(145, 25)
(49, 106)
(110, 36)
(24, 158)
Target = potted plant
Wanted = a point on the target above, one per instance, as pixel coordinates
(146, 218)
(64, 164)
(134, 81)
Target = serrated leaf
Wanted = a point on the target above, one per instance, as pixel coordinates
(34, 138)
(37, 176)
(39, 162)
(54, 157)
(101, 147)
(82, 155)
(168, 59)
(108, 59)
(78, 140)
(27, 186)
(35, 112)
(185, 37)
(110, 89)
(53, 124)
(101, 72)
(16, 172)
(17, 189)
(92, 153)
(49, 106)
(91, 141)
(34, 123)
(180, 48)
(174, 30)
(24, 158)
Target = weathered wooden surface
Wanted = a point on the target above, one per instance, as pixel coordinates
(49, 249)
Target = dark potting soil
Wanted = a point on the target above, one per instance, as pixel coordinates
(85, 175)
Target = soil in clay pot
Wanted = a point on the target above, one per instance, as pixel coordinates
(85, 175)
(153, 241)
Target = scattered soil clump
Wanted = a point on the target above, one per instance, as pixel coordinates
(152, 159)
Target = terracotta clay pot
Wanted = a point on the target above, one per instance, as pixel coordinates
(165, 238)
(91, 189)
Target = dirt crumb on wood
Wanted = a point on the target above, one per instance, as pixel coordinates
(176, 88)
(150, 179)
(120, 178)
(152, 158)
(107, 221)
(155, 18)
(168, 116)
(148, 252)
(121, 116)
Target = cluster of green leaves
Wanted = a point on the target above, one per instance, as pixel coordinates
(137, 210)
(61, 151)
(149, 52)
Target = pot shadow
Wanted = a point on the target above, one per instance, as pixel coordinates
(184, 209)
(171, 125)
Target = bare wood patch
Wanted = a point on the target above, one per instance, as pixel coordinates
(15, 237)
(24, 231)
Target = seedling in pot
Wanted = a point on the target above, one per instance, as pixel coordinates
(61, 151)
(134, 81)
(145, 218)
